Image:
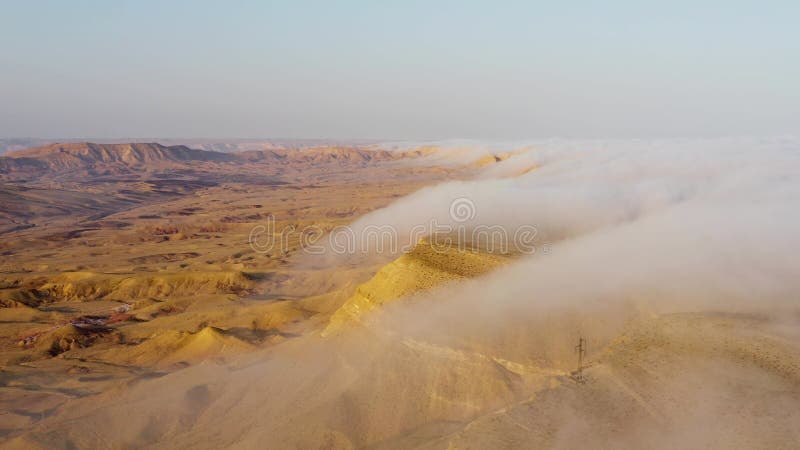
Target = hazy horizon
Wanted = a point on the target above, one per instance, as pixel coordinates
(358, 70)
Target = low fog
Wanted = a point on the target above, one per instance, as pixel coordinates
(626, 229)
(662, 226)
(571, 188)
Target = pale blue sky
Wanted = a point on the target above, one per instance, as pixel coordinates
(405, 70)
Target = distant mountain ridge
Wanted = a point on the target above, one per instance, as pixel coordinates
(319, 155)
(81, 154)
(108, 159)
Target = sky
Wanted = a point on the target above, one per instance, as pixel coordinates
(399, 70)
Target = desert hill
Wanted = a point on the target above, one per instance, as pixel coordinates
(172, 347)
(80, 159)
(130, 153)
(426, 266)
(68, 183)
(372, 390)
(86, 155)
(21, 164)
(320, 155)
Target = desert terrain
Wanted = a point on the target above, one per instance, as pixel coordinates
(165, 295)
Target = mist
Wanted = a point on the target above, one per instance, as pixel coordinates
(670, 226)
(633, 230)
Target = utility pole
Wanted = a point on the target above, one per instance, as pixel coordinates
(580, 349)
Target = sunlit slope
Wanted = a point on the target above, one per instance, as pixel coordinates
(661, 375)
(174, 347)
(87, 286)
(722, 380)
(423, 268)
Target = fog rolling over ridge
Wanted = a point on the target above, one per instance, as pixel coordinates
(734, 199)
(675, 259)
(669, 226)
(625, 228)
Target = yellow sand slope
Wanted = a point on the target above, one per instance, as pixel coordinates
(172, 347)
(425, 267)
